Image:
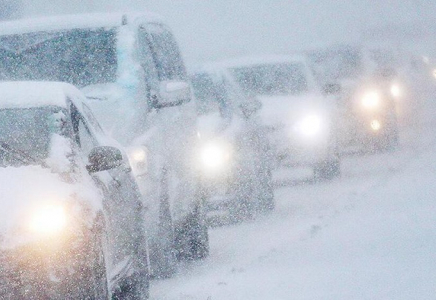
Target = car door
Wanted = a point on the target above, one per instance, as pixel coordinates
(122, 204)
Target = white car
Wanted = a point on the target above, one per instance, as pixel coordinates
(235, 154)
(71, 214)
(130, 68)
(301, 120)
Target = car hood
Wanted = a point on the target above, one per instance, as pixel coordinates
(26, 188)
(277, 111)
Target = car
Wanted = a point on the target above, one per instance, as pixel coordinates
(131, 70)
(300, 120)
(370, 91)
(235, 156)
(72, 215)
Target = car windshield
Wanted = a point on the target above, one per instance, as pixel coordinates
(337, 64)
(81, 56)
(272, 79)
(25, 134)
(166, 55)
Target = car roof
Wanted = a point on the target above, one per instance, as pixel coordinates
(79, 21)
(248, 61)
(30, 94)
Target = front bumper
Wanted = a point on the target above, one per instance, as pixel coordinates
(49, 269)
(368, 130)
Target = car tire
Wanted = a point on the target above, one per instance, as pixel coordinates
(100, 287)
(163, 260)
(192, 238)
(266, 197)
(136, 287)
(327, 170)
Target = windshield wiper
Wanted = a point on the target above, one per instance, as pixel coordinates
(20, 155)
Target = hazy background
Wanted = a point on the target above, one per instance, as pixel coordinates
(216, 29)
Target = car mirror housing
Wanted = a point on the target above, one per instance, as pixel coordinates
(104, 158)
(173, 93)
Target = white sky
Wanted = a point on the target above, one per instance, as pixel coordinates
(215, 29)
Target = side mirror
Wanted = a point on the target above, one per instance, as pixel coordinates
(332, 89)
(173, 93)
(104, 158)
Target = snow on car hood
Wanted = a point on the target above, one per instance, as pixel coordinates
(26, 188)
(277, 111)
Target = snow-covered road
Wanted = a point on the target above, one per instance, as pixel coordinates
(368, 235)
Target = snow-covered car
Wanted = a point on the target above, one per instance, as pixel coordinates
(130, 68)
(370, 90)
(71, 224)
(234, 155)
(300, 119)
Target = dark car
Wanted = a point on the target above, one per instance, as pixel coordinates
(71, 224)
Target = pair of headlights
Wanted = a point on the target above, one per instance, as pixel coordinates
(372, 99)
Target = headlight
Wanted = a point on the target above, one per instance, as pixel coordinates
(395, 90)
(310, 125)
(48, 219)
(371, 100)
(375, 125)
(138, 159)
(434, 73)
(214, 156)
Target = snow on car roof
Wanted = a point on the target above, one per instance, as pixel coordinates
(65, 22)
(25, 94)
(255, 60)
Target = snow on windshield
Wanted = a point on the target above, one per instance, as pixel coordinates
(80, 56)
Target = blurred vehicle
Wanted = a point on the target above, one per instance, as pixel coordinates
(235, 155)
(130, 68)
(300, 120)
(370, 90)
(71, 212)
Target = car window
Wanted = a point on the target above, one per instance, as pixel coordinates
(92, 119)
(83, 136)
(211, 95)
(146, 58)
(166, 54)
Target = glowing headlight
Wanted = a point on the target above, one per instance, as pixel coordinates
(138, 155)
(395, 91)
(138, 159)
(371, 100)
(434, 73)
(48, 219)
(214, 156)
(310, 125)
(375, 125)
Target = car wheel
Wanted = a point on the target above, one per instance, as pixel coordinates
(266, 191)
(136, 287)
(327, 170)
(99, 288)
(163, 260)
(242, 207)
(192, 238)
